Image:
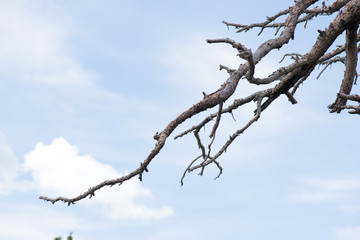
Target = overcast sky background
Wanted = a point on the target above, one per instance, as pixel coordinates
(84, 85)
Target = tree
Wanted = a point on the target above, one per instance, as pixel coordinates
(284, 81)
(68, 238)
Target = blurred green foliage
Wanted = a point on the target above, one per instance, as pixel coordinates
(68, 238)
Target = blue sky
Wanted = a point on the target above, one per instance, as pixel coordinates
(86, 84)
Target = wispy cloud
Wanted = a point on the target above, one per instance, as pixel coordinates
(194, 65)
(347, 233)
(315, 190)
(32, 222)
(333, 184)
(351, 209)
(59, 169)
(9, 167)
(34, 48)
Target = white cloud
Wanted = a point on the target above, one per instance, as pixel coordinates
(9, 167)
(348, 233)
(333, 184)
(350, 209)
(33, 45)
(309, 196)
(314, 190)
(59, 169)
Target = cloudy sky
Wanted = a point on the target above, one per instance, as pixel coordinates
(84, 85)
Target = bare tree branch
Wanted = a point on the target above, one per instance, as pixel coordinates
(309, 14)
(287, 80)
(350, 72)
(354, 97)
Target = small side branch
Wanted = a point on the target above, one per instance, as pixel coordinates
(237, 103)
(263, 25)
(353, 97)
(217, 122)
(329, 62)
(187, 169)
(244, 52)
(350, 71)
(309, 15)
(231, 139)
(353, 109)
(199, 143)
(294, 56)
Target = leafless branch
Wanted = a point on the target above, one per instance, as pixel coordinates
(228, 142)
(217, 122)
(353, 97)
(294, 56)
(287, 80)
(351, 63)
(200, 145)
(309, 14)
(354, 109)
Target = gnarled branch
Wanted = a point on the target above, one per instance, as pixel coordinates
(287, 81)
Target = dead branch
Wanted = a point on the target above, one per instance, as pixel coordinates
(350, 72)
(287, 81)
(354, 109)
(309, 15)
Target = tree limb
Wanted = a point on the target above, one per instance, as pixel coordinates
(350, 72)
(288, 78)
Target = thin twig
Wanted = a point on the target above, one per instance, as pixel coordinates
(217, 122)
